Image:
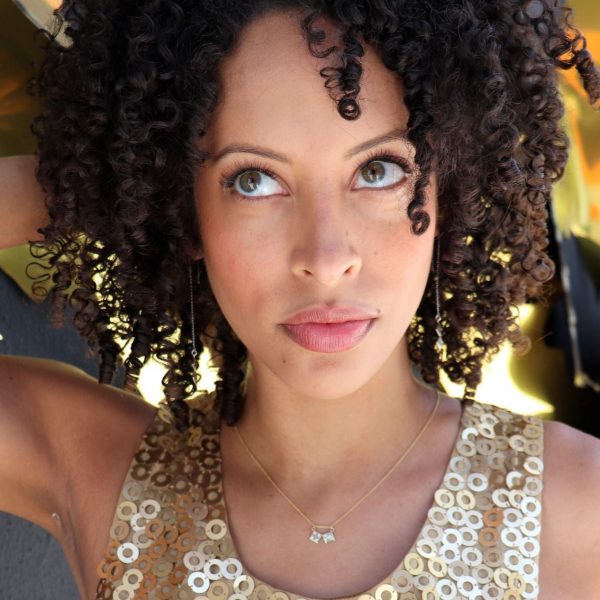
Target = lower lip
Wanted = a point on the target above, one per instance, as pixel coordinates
(329, 337)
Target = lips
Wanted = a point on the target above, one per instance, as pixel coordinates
(329, 329)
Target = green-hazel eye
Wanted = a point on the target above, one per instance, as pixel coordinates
(254, 183)
(373, 172)
(250, 181)
(382, 173)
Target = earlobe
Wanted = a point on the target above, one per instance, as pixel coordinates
(195, 253)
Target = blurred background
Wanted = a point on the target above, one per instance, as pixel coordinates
(558, 379)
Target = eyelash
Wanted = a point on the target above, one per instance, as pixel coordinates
(228, 179)
(386, 157)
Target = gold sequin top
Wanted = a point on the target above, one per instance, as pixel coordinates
(169, 537)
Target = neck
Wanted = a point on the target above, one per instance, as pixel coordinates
(306, 443)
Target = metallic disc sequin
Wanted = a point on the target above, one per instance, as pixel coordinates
(481, 539)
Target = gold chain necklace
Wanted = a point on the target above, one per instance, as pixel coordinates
(326, 532)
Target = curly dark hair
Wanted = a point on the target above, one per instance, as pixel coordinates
(126, 100)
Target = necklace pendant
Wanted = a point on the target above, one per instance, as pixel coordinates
(316, 536)
(329, 537)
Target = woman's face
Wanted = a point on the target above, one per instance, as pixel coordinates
(299, 208)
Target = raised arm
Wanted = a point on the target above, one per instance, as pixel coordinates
(65, 445)
(22, 208)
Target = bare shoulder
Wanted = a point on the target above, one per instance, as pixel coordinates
(67, 402)
(570, 543)
(66, 440)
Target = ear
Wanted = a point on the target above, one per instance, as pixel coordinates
(194, 251)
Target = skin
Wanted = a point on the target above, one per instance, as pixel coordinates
(319, 234)
(326, 427)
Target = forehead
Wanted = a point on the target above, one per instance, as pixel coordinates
(271, 89)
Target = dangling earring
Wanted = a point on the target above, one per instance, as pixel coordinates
(194, 349)
(439, 344)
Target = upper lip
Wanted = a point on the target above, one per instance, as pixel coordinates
(329, 314)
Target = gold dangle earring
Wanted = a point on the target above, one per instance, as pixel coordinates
(194, 349)
(440, 345)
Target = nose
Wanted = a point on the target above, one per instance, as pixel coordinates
(324, 250)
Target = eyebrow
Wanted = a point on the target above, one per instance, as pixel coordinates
(393, 135)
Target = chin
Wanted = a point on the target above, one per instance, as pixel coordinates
(327, 377)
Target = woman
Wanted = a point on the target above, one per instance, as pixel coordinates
(205, 190)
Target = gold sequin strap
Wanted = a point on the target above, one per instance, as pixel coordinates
(481, 538)
(169, 537)
(169, 506)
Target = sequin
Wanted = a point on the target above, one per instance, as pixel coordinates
(483, 574)
(530, 526)
(125, 510)
(465, 499)
(449, 553)
(457, 569)
(149, 509)
(170, 536)
(446, 588)
(198, 582)
(460, 464)
(386, 592)
(472, 556)
(437, 567)
(477, 482)
(444, 498)
(426, 548)
(469, 536)
(402, 581)
(456, 515)
(474, 519)
(216, 529)
(426, 583)
(511, 537)
(454, 482)
(488, 537)
(414, 563)
(437, 515)
(141, 540)
(534, 465)
(533, 486)
(530, 506)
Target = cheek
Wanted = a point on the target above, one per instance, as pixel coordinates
(399, 265)
(405, 265)
(241, 264)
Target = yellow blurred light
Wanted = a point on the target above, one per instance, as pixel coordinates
(150, 380)
(497, 387)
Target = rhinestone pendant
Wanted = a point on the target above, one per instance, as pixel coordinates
(328, 537)
(315, 536)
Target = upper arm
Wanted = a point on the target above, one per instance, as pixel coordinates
(22, 203)
(57, 422)
(30, 476)
(570, 548)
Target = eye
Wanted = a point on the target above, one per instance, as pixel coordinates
(383, 172)
(252, 181)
